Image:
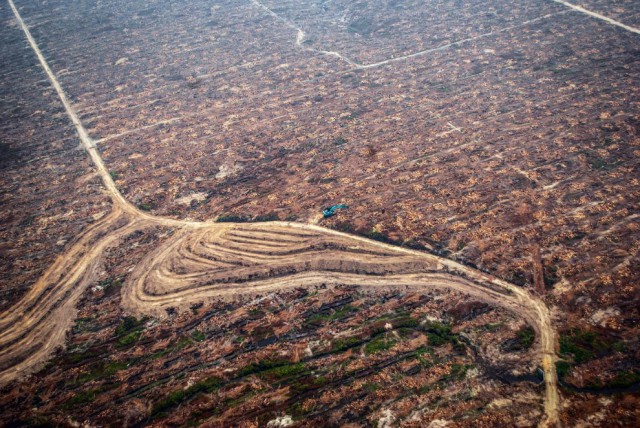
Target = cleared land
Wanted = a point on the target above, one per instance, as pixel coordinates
(198, 137)
(36, 325)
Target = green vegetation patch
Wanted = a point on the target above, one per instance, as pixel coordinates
(177, 397)
(103, 370)
(424, 361)
(273, 369)
(324, 317)
(340, 345)
(81, 398)
(284, 372)
(563, 369)
(111, 282)
(457, 372)
(308, 383)
(526, 337)
(524, 340)
(582, 346)
(128, 324)
(85, 324)
(438, 333)
(378, 344)
(182, 343)
(625, 379)
(129, 331)
(198, 336)
(235, 218)
(77, 357)
(129, 339)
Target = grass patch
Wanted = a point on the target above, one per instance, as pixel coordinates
(308, 383)
(266, 217)
(75, 358)
(232, 218)
(524, 340)
(420, 356)
(438, 333)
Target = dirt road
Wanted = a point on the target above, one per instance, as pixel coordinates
(227, 260)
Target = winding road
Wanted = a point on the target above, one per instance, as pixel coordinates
(204, 261)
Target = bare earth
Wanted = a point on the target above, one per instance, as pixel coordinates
(212, 260)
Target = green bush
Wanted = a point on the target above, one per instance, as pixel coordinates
(438, 333)
(526, 337)
(562, 369)
(128, 323)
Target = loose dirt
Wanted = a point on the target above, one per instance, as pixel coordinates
(217, 260)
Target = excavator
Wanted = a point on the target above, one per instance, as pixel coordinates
(331, 211)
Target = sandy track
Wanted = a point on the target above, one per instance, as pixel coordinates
(301, 35)
(205, 261)
(599, 16)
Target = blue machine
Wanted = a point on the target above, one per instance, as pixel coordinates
(331, 211)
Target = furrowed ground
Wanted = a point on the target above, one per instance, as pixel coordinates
(484, 151)
(505, 137)
(49, 190)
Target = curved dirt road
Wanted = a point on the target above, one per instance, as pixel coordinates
(226, 260)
